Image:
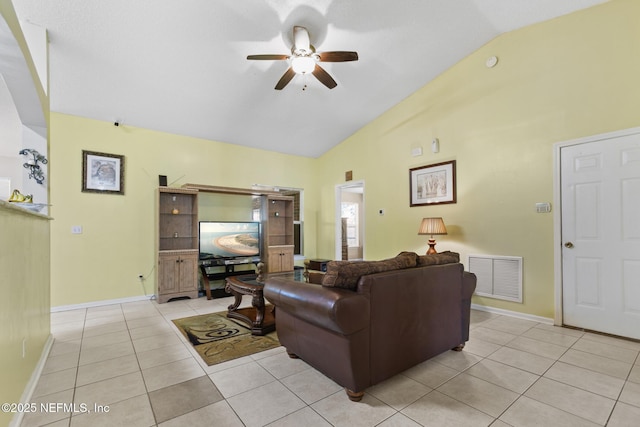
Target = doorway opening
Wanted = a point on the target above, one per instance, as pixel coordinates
(349, 221)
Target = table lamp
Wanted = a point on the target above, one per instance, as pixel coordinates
(432, 226)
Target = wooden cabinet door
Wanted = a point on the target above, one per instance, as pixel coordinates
(188, 273)
(286, 258)
(280, 258)
(273, 257)
(177, 275)
(168, 274)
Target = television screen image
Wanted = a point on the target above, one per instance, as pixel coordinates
(229, 239)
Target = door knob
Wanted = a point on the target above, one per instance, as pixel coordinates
(568, 245)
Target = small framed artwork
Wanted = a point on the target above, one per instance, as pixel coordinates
(433, 184)
(102, 173)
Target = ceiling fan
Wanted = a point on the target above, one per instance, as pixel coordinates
(304, 59)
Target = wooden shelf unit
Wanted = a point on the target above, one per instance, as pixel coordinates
(228, 190)
(177, 243)
(277, 232)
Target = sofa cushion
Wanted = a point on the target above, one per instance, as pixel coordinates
(446, 257)
(345, 274)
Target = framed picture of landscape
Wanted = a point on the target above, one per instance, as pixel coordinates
(433, 184)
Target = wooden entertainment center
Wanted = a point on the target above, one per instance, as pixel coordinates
(177, 242)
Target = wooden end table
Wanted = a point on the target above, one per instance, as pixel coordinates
(314, 270)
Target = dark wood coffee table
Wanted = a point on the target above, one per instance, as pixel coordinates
(260, 317)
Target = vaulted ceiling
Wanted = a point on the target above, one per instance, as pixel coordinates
(181, 67)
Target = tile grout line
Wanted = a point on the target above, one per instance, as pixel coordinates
(75, 380)
(135, 352)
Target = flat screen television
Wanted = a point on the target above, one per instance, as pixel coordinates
(228, 240)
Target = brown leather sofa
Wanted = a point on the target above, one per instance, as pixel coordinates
(368, 328)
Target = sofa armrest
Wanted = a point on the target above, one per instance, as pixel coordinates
(338, 310)
(468, 287)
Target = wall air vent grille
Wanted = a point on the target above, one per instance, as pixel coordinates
(498, 276)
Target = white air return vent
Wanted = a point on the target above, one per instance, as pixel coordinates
(498, 276)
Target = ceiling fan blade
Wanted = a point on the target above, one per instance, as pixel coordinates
(285, 79)
(268, 57)
(338, 56)
(324, 77)
(301, 39)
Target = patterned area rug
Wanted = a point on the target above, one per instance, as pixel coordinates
(218, 339)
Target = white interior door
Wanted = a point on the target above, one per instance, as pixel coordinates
(600, 220)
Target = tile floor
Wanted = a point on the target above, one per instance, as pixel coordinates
(131, 359)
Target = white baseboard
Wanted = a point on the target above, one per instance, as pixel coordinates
(540, 319)
(101, 303)
(33, 381)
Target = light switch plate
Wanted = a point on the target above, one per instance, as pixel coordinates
(543, 207)
(76, 229)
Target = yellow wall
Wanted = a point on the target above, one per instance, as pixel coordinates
(117, 243)
(24, 274)
(24, 306)
(224, 207)
(567, 78)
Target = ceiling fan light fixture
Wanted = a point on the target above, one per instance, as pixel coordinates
(303, 64)
(305, 60)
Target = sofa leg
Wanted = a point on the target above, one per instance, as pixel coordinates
(354, 396)
(458, 347)
(293, 355)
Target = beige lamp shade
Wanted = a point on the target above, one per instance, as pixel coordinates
(431, 227)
